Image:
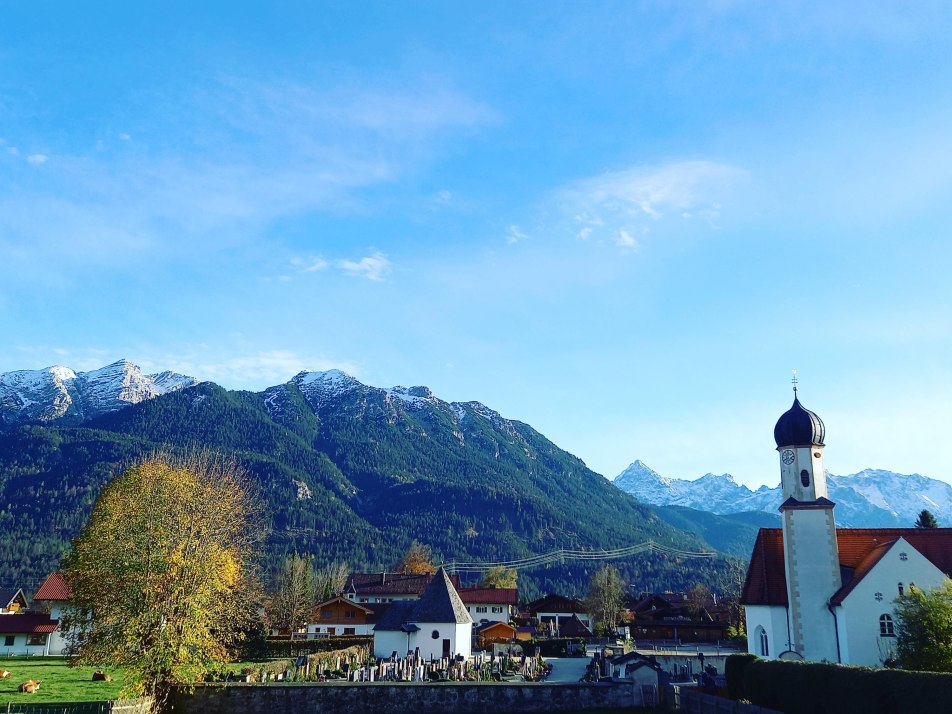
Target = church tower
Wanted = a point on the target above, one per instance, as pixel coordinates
(811, 557)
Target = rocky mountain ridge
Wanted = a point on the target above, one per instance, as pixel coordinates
(868, 499)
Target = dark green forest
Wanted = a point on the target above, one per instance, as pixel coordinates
(353, 476)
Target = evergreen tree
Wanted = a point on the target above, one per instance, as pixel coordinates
(926, 520)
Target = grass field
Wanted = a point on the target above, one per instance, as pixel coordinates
(58, 682)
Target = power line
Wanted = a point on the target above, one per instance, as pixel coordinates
(563, 554)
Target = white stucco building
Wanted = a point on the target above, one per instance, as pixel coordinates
(437, 624)
(820, 593)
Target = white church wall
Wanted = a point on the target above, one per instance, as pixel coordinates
(859, 616)
(771, 620)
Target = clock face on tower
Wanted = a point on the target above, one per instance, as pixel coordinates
(787, 456)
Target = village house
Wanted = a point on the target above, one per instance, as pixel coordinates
(821, 593)
(27, 634)
(557, 611)
(436, 625)
(490, 604)
(367, 588)
(672, 617)
(340, 616)
(51, 599)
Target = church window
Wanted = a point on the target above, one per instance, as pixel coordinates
(764, 645)
(805, 477)
(886, 626)
(901, 591)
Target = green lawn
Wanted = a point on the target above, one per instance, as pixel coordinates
(58, 682)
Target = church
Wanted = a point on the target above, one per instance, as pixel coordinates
(826, 594)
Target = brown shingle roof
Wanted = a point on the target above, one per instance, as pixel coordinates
(859, 550)
(53, 588)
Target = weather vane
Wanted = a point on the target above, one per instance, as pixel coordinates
(794, 381)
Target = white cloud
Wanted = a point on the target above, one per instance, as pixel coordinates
(310, 264)
(372, 267)
(37, 159)
(625, 241)
(620, 203)
(514, 234)
(13, 151)
(125, 137)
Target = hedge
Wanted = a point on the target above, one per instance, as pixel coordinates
(734, 667)
(297, 648)
(819, 688)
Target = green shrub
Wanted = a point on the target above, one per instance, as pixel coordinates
(820, 688)
(734, 667)
(298, 648)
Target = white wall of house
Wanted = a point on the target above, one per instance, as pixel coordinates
(862, 634)
(460, 636)
(18, 644)
(339, 628)
(770, 620)
(490, 612)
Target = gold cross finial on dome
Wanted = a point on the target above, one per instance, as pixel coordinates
(794, 381)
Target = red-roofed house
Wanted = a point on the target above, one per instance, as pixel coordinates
(51, 599)
(490, 604)
(821, 593)
(26, 634)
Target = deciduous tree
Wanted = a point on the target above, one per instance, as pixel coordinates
(499, 576)
(418, 559)
(161, 575)
(293, 597)
(330, 580)
(924, 629)
(604, 598)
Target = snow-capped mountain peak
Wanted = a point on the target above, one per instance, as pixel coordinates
(58, 393)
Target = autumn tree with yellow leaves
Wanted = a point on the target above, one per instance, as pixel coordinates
(161, 575)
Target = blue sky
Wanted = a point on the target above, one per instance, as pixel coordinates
(623, 223)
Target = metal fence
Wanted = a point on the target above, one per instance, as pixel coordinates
(119, 706)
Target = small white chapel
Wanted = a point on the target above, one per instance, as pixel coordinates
(826, 594)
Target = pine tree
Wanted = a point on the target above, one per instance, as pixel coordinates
(926, 520)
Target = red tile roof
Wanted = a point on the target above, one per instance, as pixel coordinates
(489, 596)
(29, 624)
(53, 588)
(859, 550)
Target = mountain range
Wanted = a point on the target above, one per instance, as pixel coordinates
(868, 499)
(346, 471)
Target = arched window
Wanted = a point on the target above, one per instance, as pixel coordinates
(764, 645)
(886, 626)
(805, 478)
(901, 591)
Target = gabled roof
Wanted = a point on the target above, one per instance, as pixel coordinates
(489, 596)
(555, 603)
(387, 583)
(573, 627)
(10, 595)
(505, 626)
(28, 624)
(859, 550)
(53, 588)
(350, 603)
(439, 603)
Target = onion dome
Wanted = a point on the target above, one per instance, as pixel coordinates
(799, 427)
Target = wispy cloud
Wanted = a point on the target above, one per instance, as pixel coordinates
(375, 266)
(514, 234)
(621, 204)
(269, 149)
(255, 370)
(310, 264)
